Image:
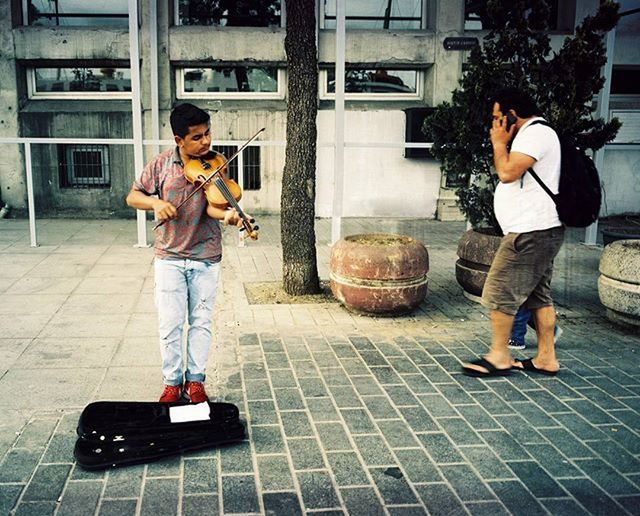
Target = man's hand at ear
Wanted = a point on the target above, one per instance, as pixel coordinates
(509, 166)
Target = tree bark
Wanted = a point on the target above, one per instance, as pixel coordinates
(297, 205)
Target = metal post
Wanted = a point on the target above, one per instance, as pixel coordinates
(153, 63)
(338, 175)
(591, 233)
(31, 204)
(136, 112)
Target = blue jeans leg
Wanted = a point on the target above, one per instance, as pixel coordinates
(182, 284)
(519, 328)
(203, 285)
(171, 302)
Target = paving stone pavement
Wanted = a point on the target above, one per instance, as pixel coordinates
(345, 414)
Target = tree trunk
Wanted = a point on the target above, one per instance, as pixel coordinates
(297, 205)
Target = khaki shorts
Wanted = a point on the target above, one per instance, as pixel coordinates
(520, 273)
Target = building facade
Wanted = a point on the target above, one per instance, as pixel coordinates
(65, 73)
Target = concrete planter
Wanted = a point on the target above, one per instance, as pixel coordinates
(475, 252)
(619, 282)
(379, 274)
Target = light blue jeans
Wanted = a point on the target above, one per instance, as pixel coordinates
(185, 286)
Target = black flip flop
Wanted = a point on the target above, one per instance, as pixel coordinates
(491, 370)
(527, 365)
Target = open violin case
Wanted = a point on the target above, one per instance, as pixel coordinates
(113, 433)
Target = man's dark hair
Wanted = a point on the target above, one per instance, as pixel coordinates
(522, 103)
(184, 116)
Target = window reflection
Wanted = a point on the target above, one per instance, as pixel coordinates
(476, 15)
(74, 13)
(232, 13)
(61, 80)
(377, 80)
(243, 79)
(376, 14)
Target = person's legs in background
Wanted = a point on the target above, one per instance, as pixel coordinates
(557, 331)
(519, 329)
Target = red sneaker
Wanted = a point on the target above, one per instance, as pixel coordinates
(195, 392)
(171, 394)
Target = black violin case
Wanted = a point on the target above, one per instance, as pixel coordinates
(113, 433)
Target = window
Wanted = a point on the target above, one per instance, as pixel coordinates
(74, 13)
(378, 14)
(231, 82)
(250, 165)
(374, 83)
(229, 13)
(84, 166)
(561, 15)
(82, 83)
(625, 81)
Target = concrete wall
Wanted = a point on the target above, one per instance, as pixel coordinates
(378, 182)
(621, 181)
(50, 194)
(39, 43)
(12, 178)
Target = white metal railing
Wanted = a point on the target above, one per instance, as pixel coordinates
(141, 223)
(28, 142)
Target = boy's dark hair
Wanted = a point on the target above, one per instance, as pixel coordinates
(184, 116)
(522, 103)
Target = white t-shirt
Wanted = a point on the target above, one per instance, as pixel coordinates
(523, 206)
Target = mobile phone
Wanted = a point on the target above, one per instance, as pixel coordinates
(511, 119)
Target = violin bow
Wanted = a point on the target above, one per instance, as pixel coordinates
(211, 176)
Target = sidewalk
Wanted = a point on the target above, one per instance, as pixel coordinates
(345, 414)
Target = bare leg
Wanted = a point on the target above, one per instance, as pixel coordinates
(499, 354)
(545, 319)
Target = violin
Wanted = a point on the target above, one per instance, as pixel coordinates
(208, 173)
(220, 191)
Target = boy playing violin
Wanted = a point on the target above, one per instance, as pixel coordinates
(188, 250)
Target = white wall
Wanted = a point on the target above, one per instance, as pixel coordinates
(377, 182)
(621, 181)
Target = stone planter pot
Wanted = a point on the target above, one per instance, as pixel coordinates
(619, 282)
(475, 252)
(379, 274)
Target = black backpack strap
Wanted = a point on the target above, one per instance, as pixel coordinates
(541, 183)
(531, 171)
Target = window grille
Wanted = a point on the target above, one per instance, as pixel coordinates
(84, 166)
(251, 165)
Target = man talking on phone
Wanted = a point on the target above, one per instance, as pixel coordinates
(520, 274)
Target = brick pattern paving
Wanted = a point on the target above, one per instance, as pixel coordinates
(346, 414)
